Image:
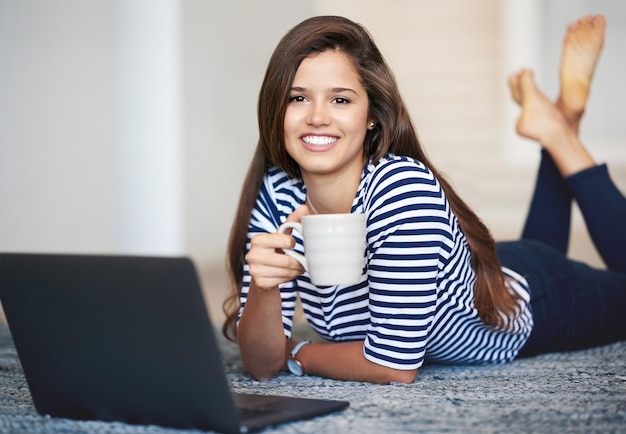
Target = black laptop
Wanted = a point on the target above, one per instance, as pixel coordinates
(128, 338)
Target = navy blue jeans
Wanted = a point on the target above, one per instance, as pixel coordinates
(574, 306)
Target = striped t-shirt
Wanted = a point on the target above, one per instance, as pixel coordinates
(415, 301)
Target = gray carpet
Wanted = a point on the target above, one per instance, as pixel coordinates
(582, 391)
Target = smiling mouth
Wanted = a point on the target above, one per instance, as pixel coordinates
(319, 140)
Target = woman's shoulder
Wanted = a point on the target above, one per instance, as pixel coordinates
(395, 181)
(280, 194)
(395, 168)
(391, 164)
(277, 180)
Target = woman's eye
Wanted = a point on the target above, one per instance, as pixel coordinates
(341, 100)
(296, 98)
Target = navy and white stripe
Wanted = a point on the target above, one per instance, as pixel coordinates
(415, 301)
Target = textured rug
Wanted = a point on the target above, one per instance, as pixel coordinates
(582, 391)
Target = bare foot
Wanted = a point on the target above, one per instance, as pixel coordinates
(539, 119)
(543, 122)
(581, 49)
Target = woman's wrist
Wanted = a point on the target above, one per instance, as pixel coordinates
(294, 360)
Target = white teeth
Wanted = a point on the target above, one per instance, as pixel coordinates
(319, 140)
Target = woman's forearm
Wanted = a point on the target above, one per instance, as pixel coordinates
(345, 361)
(262, 340)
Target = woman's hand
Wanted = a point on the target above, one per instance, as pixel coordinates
(261, 336)
(269, 266)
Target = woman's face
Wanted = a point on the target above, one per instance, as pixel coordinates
(327, 117)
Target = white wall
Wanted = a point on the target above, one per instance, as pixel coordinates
(57, 127)
(148, 108)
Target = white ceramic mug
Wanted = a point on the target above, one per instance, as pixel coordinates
(334, 246)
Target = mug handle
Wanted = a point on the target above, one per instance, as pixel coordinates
(295, 255)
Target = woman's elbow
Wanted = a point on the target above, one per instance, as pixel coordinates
(402, 376)
(262, 365)
(262, 374)
(263, 371)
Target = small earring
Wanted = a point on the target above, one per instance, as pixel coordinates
(372, 125)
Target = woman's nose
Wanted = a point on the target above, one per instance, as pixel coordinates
(318, 114)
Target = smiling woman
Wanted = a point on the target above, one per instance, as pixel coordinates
(335, 137)
(326, 122)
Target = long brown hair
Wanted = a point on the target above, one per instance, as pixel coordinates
(394, 133)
